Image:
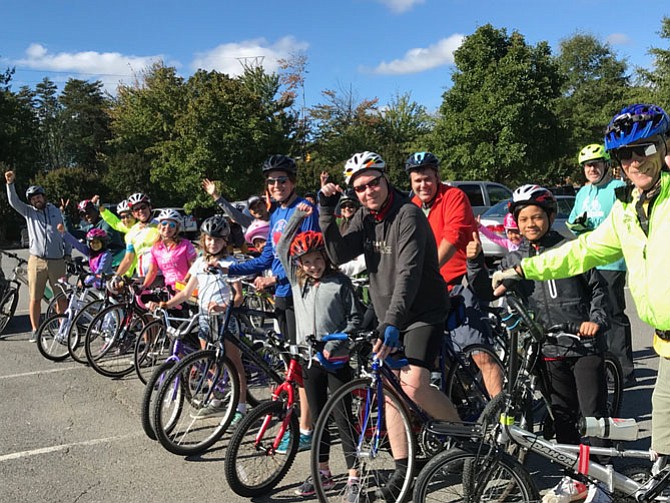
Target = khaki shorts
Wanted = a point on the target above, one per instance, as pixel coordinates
(39, 271)
(660, 409)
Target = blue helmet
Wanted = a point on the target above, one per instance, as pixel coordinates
(636, 122)
(421, 160)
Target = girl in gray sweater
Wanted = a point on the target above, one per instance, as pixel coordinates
(325, 303)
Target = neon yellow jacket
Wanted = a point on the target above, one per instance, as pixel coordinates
(620, 235)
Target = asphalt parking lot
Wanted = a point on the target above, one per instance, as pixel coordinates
(68, 434)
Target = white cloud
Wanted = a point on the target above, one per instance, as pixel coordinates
(91, 62)
(422, 58)
(618, 39)
(226, 57)
(400, 6)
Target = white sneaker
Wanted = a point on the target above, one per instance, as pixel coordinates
(565, 491)
(597, 495)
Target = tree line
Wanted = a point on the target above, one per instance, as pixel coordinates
(514, 113)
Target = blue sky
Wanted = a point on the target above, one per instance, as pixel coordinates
(377, 48)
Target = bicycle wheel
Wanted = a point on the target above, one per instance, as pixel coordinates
(53, 303)
(252, 466)
(460, 475)
(110, 340)
(465, 383)
(148, 398)
(259, 384)
(614, 374)
(362, 441)
(152, 348)
(52, 337)
(523, 419)
(257, 303)
(8, 307)
(196, 403)
(80, 323)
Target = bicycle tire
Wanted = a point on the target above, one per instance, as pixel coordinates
(614, 375)
(8, 307)
(353, 400)
(260, 385)
(148, 356)
(52, 338)
(150, 392)
(109, 343)
(465, 384)
(77, 333)
(53, 302)
(252, 467)
(471, 475)
(184, 393)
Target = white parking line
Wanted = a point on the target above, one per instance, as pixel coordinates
(37, 372)
(56, 448)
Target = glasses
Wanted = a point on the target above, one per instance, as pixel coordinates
(140, 207)
(281, 180)
(347, 207)
(640, 150)
(126, 216)
(371, 184)
(168, 223)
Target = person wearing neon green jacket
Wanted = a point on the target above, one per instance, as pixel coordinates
(637, 229)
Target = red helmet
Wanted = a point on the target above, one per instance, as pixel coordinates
(306, 242)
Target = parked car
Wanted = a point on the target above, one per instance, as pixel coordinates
(492, 219)
(190, 224)
(482, 195)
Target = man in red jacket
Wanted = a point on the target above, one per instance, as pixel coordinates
(453, 223)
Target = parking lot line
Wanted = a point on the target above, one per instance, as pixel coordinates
(56, 448)
(38, 372)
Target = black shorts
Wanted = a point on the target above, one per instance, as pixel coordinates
(422, 345)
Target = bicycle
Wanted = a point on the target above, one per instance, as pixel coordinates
(485, 472)
(9, 293)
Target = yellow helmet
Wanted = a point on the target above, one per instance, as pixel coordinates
(593, 152)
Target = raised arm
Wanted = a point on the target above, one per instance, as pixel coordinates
(284, 245)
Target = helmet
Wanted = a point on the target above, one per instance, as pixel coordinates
(534, 195)
(421, 160)
(122, 207)
(509, 222)
(85, 205)
(280, 162)
(593, 152)
(34, 190)
(137, 198)
(349, 196)
(636, 122)
(253, 200)
(306, 242)
(362, 161)
(99, 234)
(257, 229)
(170, 214)
(216, 226)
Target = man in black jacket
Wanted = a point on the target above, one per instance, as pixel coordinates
(407, 291)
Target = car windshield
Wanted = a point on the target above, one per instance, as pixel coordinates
(499, 210)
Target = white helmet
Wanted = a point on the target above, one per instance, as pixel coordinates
(361, 162)
(170, 214)
(137, 198)
(123, 207)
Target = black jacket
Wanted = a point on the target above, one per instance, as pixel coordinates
(570, 300)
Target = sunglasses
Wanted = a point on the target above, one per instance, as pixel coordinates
(371, 184)
(641, 150)
(281, 180)
(168, 223)
(140, 207)
(348, 207)
(125, 216)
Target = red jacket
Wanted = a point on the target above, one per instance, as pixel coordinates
(451, 218)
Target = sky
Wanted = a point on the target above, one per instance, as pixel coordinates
(372, 48)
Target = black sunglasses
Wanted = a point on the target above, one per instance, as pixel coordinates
(640, 150)
(371, 184)
(281, 180)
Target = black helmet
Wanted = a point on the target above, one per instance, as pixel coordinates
(420, 160)
(280, 162)
(216, 226)
(34, 190)
(349, 196)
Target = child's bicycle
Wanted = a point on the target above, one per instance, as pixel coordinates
(484, 471)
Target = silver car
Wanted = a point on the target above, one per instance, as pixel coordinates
(492, 219)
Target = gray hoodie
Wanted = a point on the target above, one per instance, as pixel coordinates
(324, 307)
(45, 240)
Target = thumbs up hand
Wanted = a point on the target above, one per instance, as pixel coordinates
(474, 247)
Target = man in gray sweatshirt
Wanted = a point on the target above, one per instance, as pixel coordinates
(47, 250)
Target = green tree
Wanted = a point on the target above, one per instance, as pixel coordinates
(498, 120)
(658, 78)
(596, 85)
(48, 111)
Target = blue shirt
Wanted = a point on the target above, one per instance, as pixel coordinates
(597, 202)
(269, 258)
